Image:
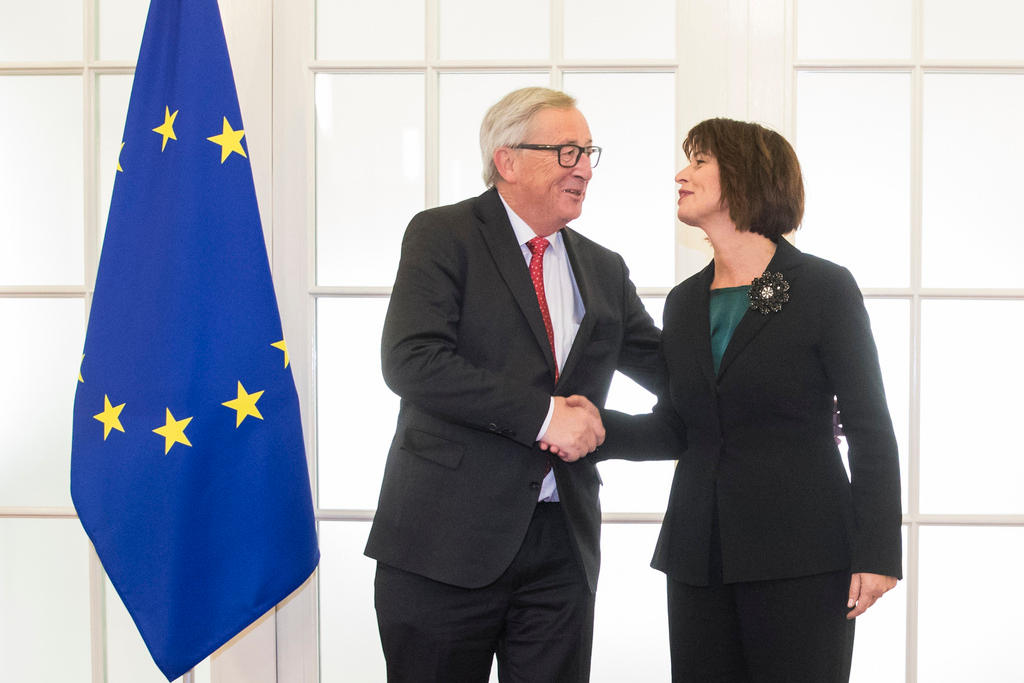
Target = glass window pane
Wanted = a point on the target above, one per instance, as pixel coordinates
(369, 173)
(349, 642)
(631, 620)
(119, 28)
(629, 205)
(40, 31)
(853, 139)
(967, 631)
(482, 29)
(972, 227)
(128, 660)
(464, 99)
(41, 180)
(112, 93)
(971, 460)
(39, 379)
(853, 29)
(44, 600)
(880, 644)
(366, 31)
(356, 412)
(626, 395)
(635, 486)
(610, 29)
(986, 29)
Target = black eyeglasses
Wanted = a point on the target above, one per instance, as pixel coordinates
(568, 155)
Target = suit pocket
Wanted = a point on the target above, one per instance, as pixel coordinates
(438, 449)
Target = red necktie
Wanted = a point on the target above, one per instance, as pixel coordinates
(537, 246)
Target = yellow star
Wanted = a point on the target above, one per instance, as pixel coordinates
(80, 371)
(244, 405)
(110, 417)
(173, 431)
(167, 127)
(284, 347)
(119, 158)
(229, 141)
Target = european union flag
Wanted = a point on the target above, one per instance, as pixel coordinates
(187, 467)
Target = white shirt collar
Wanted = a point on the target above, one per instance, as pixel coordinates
(524, 233)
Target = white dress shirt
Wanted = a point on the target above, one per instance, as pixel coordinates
(565, 305)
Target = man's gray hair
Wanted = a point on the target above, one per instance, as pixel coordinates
(508, 122)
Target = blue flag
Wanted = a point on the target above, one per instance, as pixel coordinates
(188, 470)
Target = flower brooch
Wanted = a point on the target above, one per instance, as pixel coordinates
(768, 293)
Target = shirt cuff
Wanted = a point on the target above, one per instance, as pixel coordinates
(547, 420)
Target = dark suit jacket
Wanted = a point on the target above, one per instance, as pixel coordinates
(760, 435)
(464, 346)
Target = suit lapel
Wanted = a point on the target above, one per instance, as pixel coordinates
(582, 273)
(500, 239)
(786, 255)
(696, 302)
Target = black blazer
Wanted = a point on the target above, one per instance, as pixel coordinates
(464, 346)
(760, 437)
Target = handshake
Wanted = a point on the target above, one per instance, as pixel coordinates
(575, 428)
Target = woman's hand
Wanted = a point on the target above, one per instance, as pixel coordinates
(865, 589)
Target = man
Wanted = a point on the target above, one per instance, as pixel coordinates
(486, 544)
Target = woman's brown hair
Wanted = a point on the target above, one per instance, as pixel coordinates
(758, 172)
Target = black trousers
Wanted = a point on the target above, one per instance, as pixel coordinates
(780, 631)
(538, 617)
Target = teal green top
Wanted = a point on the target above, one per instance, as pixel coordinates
(728, 305)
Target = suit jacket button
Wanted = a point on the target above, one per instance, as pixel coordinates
(535, 485)
(493, 427)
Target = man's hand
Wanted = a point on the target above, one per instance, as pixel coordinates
(580, 401)
(865, 589)
(575, 428)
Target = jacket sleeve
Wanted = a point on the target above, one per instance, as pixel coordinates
(640, 358)
(660, 435)
(420, 343)
(851, 363)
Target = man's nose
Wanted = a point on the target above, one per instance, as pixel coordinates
(583, 167)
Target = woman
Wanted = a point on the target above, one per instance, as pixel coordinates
(770, 550)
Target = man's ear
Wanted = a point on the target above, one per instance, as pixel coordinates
(506, 161)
